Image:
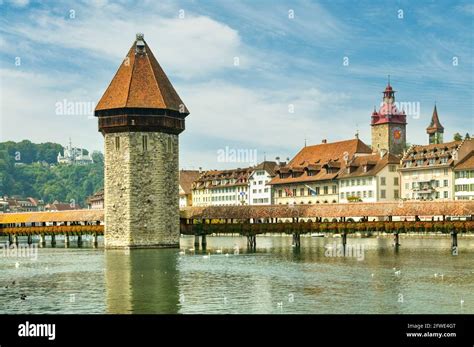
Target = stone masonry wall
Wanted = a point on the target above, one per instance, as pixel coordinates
(141, 190)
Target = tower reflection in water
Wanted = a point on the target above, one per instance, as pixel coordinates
(141, 281)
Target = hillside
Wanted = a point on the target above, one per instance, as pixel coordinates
(26, 170)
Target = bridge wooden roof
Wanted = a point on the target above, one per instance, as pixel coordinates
(379, 209)
(56, 216)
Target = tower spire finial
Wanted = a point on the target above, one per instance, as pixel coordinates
(388, 79)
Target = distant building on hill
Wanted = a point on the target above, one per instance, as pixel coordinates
(20, 204)
(61, 206)
(74, 156)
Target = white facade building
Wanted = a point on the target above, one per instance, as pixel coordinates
(222, 188)
(260, 192)
(370, 178)
(427, 172)
(464, 178)
(74, 156)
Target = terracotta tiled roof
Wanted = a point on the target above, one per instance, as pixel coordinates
(435, 125)
(377, 209)
(432, 151)
(467, 163)
(186, 179)
(140, 82)
(374, 163)
(325, 160)
(268, 166)
(239, 176)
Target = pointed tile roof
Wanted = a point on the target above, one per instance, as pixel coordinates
(435, 125)
(140, 82)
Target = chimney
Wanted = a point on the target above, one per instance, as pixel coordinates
(324, 141)
(200, 169)
(277, 160)
(383, 152)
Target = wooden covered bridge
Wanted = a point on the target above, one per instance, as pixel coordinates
(391, 217)
(68, 223)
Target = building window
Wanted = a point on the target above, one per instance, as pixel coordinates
(170, 145)
(445, 183)
(294, 191)
(117, 143)
(395, 181)
(446, 195)
(392, 168)
(382, 194)
(145, 142)
(365, 193)
(407, 185)
(326, 190)
(371, 194)
(342, 195)
(317, 190)
(334, 189)
(302, 191)
(382, 181)
(280, 193)
(395, 194)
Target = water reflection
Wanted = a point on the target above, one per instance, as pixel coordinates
(141, 281)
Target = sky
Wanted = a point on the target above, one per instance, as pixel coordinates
(260, 78)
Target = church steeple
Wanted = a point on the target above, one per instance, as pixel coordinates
(435, 130)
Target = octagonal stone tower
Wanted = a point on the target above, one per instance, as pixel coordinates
(140, 116)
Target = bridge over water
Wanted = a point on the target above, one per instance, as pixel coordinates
(451, 217)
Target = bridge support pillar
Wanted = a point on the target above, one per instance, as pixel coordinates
(42, 240)
(94, 240)
(79, 241)
(396, 239)
(344, 240)
(196, 241)
(251, 241)
(66, 241)
(15, 239)
(30, 239)
(203, 241)
(296, 240)
(10, 239)
(53, 240)
(454, 243)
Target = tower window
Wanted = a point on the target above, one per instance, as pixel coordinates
(117, 143)
(170, 145)
(145, 143)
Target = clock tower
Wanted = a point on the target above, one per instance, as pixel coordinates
(389, 125)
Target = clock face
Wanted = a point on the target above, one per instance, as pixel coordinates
(397, 135)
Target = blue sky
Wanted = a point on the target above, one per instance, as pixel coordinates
(291, 82)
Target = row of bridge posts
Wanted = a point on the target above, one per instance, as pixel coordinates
(252, 241)
(13, 239)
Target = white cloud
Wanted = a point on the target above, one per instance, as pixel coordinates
(188, 47)
(20, 3)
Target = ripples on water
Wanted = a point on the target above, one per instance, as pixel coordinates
(277, 278)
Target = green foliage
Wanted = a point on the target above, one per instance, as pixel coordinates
(48, 182)
(457, 137)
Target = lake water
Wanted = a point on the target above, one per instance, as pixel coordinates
(421, 277)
